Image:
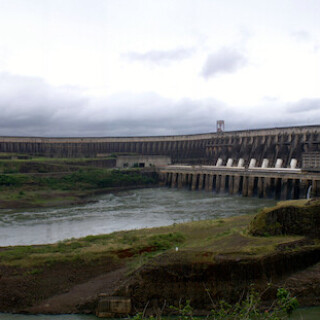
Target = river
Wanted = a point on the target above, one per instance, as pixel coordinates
(125, 210)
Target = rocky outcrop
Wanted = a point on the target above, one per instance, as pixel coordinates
(288, 220)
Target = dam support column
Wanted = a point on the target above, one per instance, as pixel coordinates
(207, 183)
(183, 179)
(231, 184)
(277, 188)
(236, 185)
(169, 179)
(218, 183)
(266, 187)
(290, 193)
(174, 180)
(194, 182)
(210, 182)
(296, 189)
(260, 187)
(245, 186)
(223, 183)
(250, 186)
(284, 189)
(200, 185)
(180, 180)
(189, 179)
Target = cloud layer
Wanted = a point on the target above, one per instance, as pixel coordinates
(226, 60)
(304, 105)
(31, 107)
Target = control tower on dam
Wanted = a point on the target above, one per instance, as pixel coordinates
(197, 149)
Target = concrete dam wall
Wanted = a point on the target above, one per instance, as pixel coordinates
(272, 144)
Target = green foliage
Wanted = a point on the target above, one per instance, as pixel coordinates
(81, 179)
(251, 309)
(248, 309)
(128, 238)
(35, 271)
(95, 178)
(14, 180)
(286, 302)
(166, 241)
(20, 252)
(184, 312)
(140, 316)
(97, 239)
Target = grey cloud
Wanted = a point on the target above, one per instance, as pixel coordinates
(304, 105)
(226, 60)
(160, 56)
(31, 107)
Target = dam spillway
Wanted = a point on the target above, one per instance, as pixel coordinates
(207, 148)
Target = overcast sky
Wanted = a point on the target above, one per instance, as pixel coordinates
(157, 67)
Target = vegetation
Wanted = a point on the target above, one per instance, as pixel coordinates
(249, 308)
(82, 179)
(47, 181)
(129, 244)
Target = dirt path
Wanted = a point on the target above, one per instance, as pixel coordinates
(81, 295)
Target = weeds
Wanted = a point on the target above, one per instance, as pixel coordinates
(249, 308)
(166, 241)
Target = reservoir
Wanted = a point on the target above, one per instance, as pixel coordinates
(134, 209)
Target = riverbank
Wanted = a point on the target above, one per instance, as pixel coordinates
(48, 182)
(201, 261)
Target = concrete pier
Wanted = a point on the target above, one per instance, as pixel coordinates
(262, 182)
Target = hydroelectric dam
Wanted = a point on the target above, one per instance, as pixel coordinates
(278, 162)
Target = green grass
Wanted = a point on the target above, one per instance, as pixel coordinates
(90, 247)
(81, 179)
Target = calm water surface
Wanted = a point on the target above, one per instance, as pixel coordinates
(121, 211)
